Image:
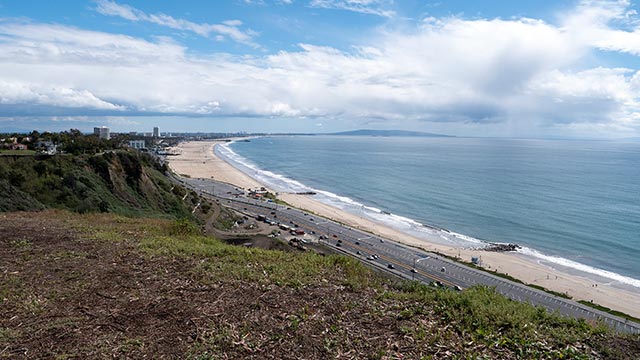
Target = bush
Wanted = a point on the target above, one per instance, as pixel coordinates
(183, 227)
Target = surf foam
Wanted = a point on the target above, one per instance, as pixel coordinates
(426, 232)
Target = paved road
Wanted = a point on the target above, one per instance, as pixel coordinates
(401, 260)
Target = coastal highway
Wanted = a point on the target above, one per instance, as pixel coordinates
(401, 260)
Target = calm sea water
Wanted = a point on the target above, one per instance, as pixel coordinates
(571, 204)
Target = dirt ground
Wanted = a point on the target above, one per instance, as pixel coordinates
(71, 297)
(64, 295)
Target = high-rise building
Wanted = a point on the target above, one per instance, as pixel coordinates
(102, 132)
(156, 132)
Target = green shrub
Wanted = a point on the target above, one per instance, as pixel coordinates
(183, 227)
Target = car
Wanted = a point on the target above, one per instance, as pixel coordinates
(245, 209)
(457, 288)
(357, 242)
(338, 244)
(414, 271)
(443, 269)
(358, 252)
(390, 266)
(313, 232)
(273, 213)
(311, 219)
(323, 237)
(339, 241)
(381, 240)
(369, 257)
(334, 235)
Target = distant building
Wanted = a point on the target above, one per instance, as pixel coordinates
(137, 144)
(47, 147)
(132, 133)
(156, 132)
(18, 147)
(102, 132)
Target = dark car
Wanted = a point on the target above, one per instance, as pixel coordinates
(390, 266)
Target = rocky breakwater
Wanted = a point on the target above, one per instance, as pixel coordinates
(497, 247)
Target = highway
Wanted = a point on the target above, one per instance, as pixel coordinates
(398, 259)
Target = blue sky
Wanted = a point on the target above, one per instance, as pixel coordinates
(489, 68)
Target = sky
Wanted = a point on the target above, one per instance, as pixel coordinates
(550, 69)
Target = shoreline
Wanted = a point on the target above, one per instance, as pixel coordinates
(198, 160)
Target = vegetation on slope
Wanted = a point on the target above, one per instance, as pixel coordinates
(100, 285)
(122, 182)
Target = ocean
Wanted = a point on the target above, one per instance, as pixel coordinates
(573, 205)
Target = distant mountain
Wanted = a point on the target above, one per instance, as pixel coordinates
(366, 132)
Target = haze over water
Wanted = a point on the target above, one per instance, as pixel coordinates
(569, 203)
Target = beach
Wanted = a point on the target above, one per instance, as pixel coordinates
(198, 160)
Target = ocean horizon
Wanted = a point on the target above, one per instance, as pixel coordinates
(573, 205)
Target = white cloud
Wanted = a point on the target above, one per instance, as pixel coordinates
(371, 7)
(17, 93)
(229, 28)
(516, 77)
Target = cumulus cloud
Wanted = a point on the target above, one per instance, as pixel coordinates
(17, 93)
(229, 28)
(590, 24)
(520, 74)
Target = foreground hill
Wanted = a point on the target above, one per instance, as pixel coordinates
(101, 285)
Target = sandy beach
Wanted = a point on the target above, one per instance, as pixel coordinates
(197, 160)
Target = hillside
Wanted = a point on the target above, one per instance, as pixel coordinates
(122, 182)
(104, 286)
(405, 133)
